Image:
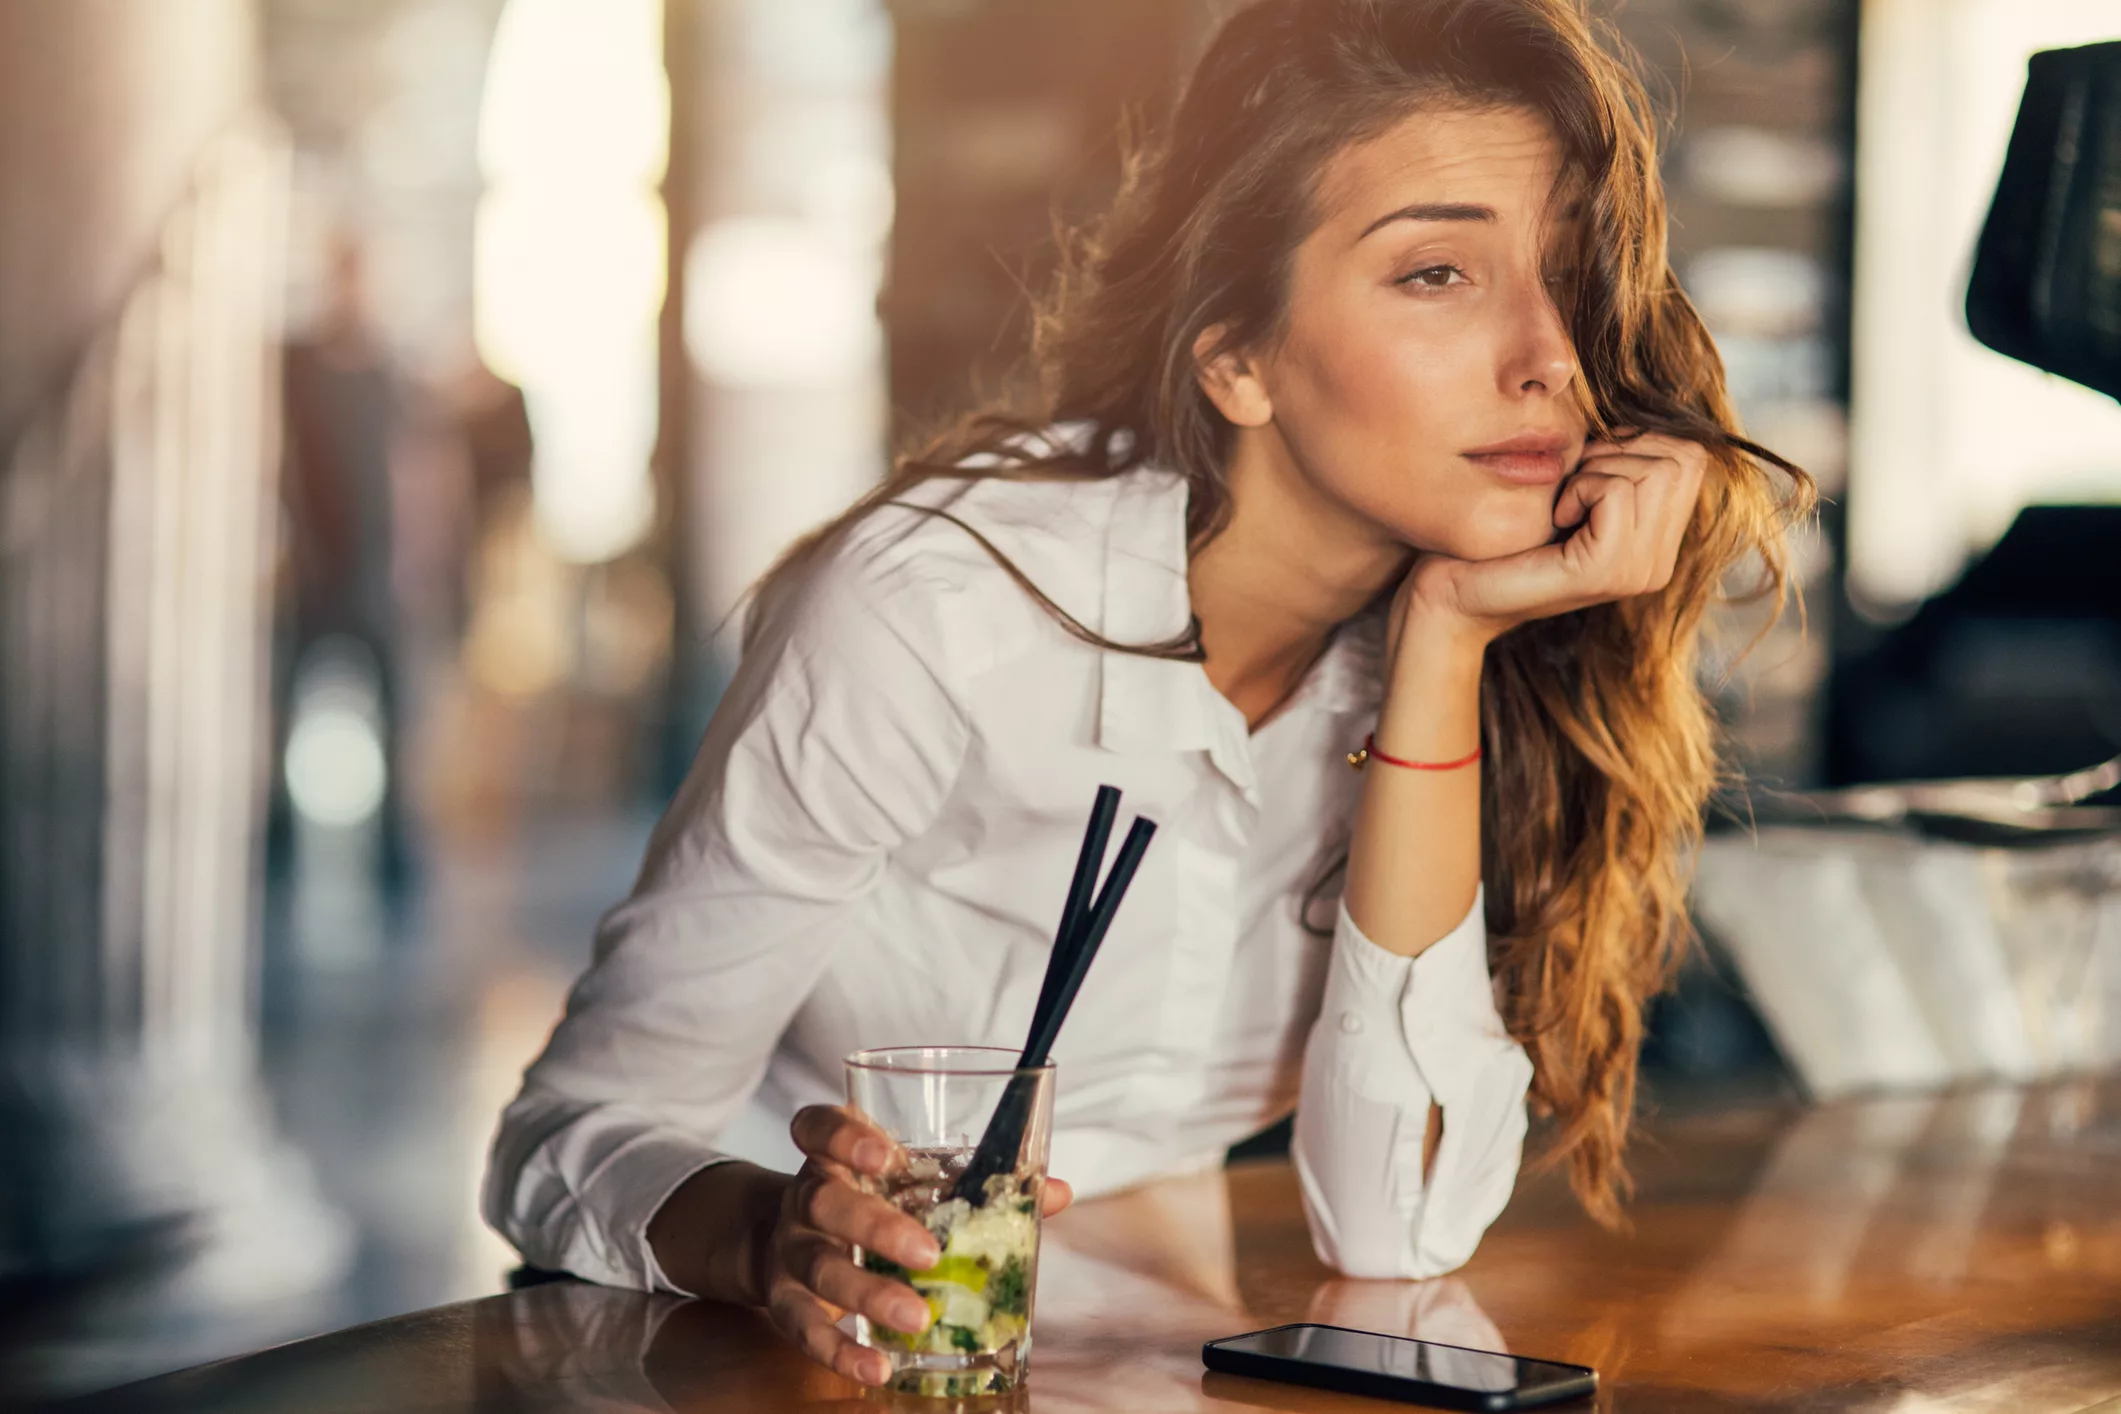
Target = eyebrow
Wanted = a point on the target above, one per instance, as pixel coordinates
(1431, 211)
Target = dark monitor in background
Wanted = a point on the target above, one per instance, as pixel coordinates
(2015, 670)
(2046, 286)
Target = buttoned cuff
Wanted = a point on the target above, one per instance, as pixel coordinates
(1396, 1013)
(629, 1188)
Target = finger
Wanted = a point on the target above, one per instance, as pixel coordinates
(1565, 575)
(1670, 511)
(821, 1264)
(1600, 561)
(1632, 441)
(1651, 446)
(1605, 554)
(1578, 494)
(1668, 504)
(802, 1318)
(845, 1212)
(1669, 485)
(1056, 1195)
(1642, 455)
(1613, 461)
(1683, 458)
(843, 1136)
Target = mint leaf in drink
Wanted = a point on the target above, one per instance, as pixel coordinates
(1009, 1290)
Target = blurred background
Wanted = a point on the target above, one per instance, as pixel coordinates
(396, 395)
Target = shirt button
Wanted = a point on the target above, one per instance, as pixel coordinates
(1350, 1023)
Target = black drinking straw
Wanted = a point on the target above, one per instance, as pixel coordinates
(1083, 928)
(1091, 934)
(1082, 889)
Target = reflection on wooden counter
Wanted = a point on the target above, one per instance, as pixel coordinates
(1928, 1253)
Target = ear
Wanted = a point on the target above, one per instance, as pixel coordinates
(1231, 380)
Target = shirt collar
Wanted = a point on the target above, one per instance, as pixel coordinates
(1150, 703)
(1160, 703)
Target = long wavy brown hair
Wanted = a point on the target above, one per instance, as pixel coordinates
(1604, 746)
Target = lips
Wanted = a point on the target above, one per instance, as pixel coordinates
(1529, 459)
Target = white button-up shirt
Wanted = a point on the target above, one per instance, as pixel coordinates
(873, 847)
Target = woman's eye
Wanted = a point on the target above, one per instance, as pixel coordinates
(1433, 277)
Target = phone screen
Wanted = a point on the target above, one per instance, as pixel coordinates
(1396, 1357)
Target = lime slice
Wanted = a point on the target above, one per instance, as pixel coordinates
(959, 1271)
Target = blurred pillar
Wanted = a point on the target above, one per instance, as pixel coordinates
(139, 274)
(689, 689)
(779, 196)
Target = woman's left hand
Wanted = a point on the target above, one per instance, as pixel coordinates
(1622, 513)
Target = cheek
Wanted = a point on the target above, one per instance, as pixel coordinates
(1377, 423)
(1389, 388)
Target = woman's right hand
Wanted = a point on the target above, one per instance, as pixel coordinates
(808, 1277)
(738, 1232)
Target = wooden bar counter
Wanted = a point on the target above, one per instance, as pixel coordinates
(1912, 1253)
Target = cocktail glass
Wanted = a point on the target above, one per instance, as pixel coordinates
(935, 1101)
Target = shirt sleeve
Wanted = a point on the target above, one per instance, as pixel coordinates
(836, 742)
(1393, 1035)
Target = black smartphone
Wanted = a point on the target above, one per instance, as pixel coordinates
(1394, 1367)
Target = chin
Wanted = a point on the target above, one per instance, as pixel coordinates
(1491, 537)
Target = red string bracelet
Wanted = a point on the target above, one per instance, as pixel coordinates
(1369, 752)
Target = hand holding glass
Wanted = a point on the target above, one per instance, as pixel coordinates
(935, 1103)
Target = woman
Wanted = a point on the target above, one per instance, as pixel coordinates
(1373, 413)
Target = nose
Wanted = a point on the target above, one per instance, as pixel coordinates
(1541, 356)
